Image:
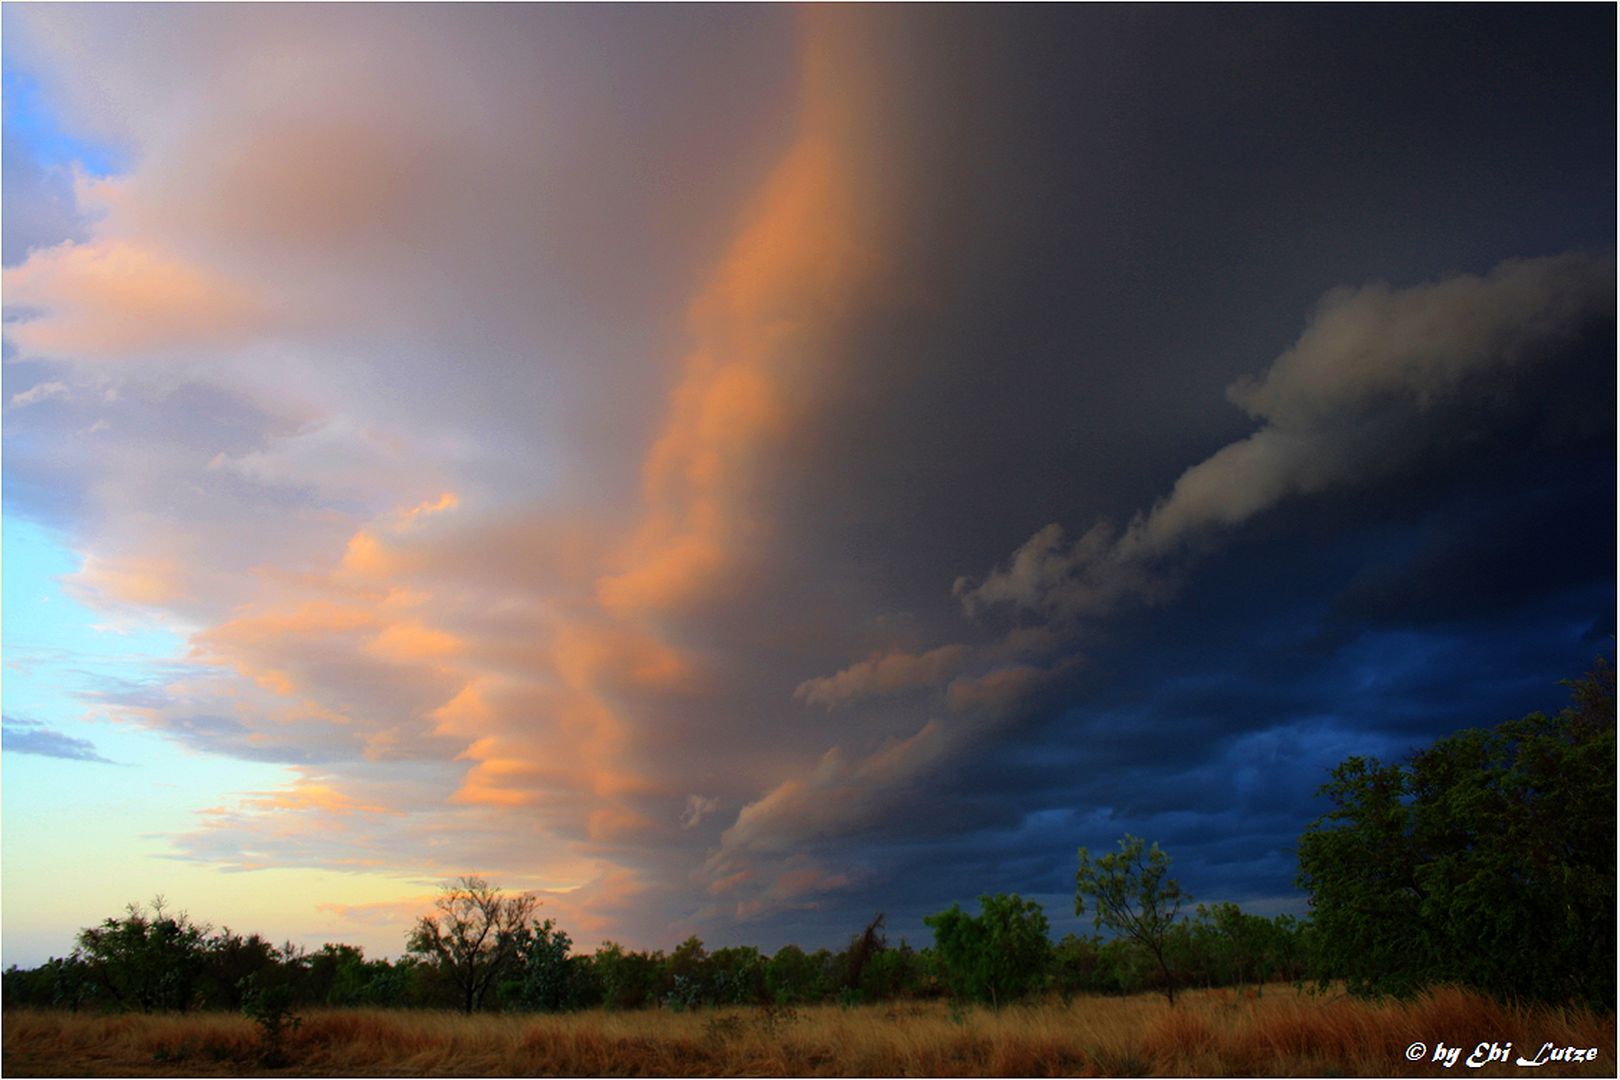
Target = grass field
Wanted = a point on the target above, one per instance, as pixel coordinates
(1219, 1032)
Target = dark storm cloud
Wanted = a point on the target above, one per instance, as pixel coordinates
(1129, 210)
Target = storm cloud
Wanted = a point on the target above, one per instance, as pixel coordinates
(734, 471)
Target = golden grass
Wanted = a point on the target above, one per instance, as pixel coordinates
(1220, 1032)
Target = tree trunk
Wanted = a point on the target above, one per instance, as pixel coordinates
(1169, 983)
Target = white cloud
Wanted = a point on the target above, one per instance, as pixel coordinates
(698, 807)
(42, 392)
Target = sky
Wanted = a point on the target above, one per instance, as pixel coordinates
(734, 470)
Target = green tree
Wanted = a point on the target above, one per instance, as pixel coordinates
(1078, 967)
(1132, 896)
(1246, 946)
(793, 977)
(687, 969)
(1487, 859)
(267, 1000)
(996, 956)
(350, 974)
(891, 973)
(231, 958)
(629, 980)
(475, 936)
(736, 976)
(541, 972)
(146, 961)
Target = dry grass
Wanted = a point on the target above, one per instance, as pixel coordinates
(1221, 1032)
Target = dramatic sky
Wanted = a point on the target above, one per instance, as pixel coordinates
(734, 470)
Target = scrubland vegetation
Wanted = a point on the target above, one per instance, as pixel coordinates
(1277, 1031)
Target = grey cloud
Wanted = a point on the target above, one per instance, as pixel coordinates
(40, 209)
(1057, 579)
(698, 807)
(888, 673)
(32, 737)
(834, 796)
(1361, 394)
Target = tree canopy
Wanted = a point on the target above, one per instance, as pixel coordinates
(998, 955)
(1133, 895)
(476, 935)
(1487, 859)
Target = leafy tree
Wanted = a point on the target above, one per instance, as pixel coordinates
(230, 958)
(998, 955)
(629, 980)
(408, 981)
(687, 969)
(542, 970)
(736, 976)
(892, 972)
(1292, 942)
(318, 972)
(1246, 947)
(267, 1000)
(1133, 896)
(59, 983)
(145, 961)
(1078, 967)
(585, 983)
(794, 977)
(350, 976)
(475, 936)
(1487, 859)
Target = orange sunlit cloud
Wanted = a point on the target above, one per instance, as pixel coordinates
(532, 655)
(799, 262)
(115, 299)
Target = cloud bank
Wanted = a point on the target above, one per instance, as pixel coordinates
(555, 432)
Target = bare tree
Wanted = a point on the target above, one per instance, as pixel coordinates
(475, 936)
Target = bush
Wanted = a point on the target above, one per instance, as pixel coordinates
(997, 956)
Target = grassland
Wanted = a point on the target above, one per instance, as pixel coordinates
(1280, 1032)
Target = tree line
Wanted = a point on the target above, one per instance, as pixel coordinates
(152, 960)
(1486, 860)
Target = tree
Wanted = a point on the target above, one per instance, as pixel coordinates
(268, 1002)
(629, 979)
(793, 977)
(998, 955)
(1247, 947)
(736, 976)
(892, 972)
(1133, 897)
(1487, 859)
(540, 976)
(862, 947)
(232, 958)
(145, 961)
(475, 936)
(687, 969)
